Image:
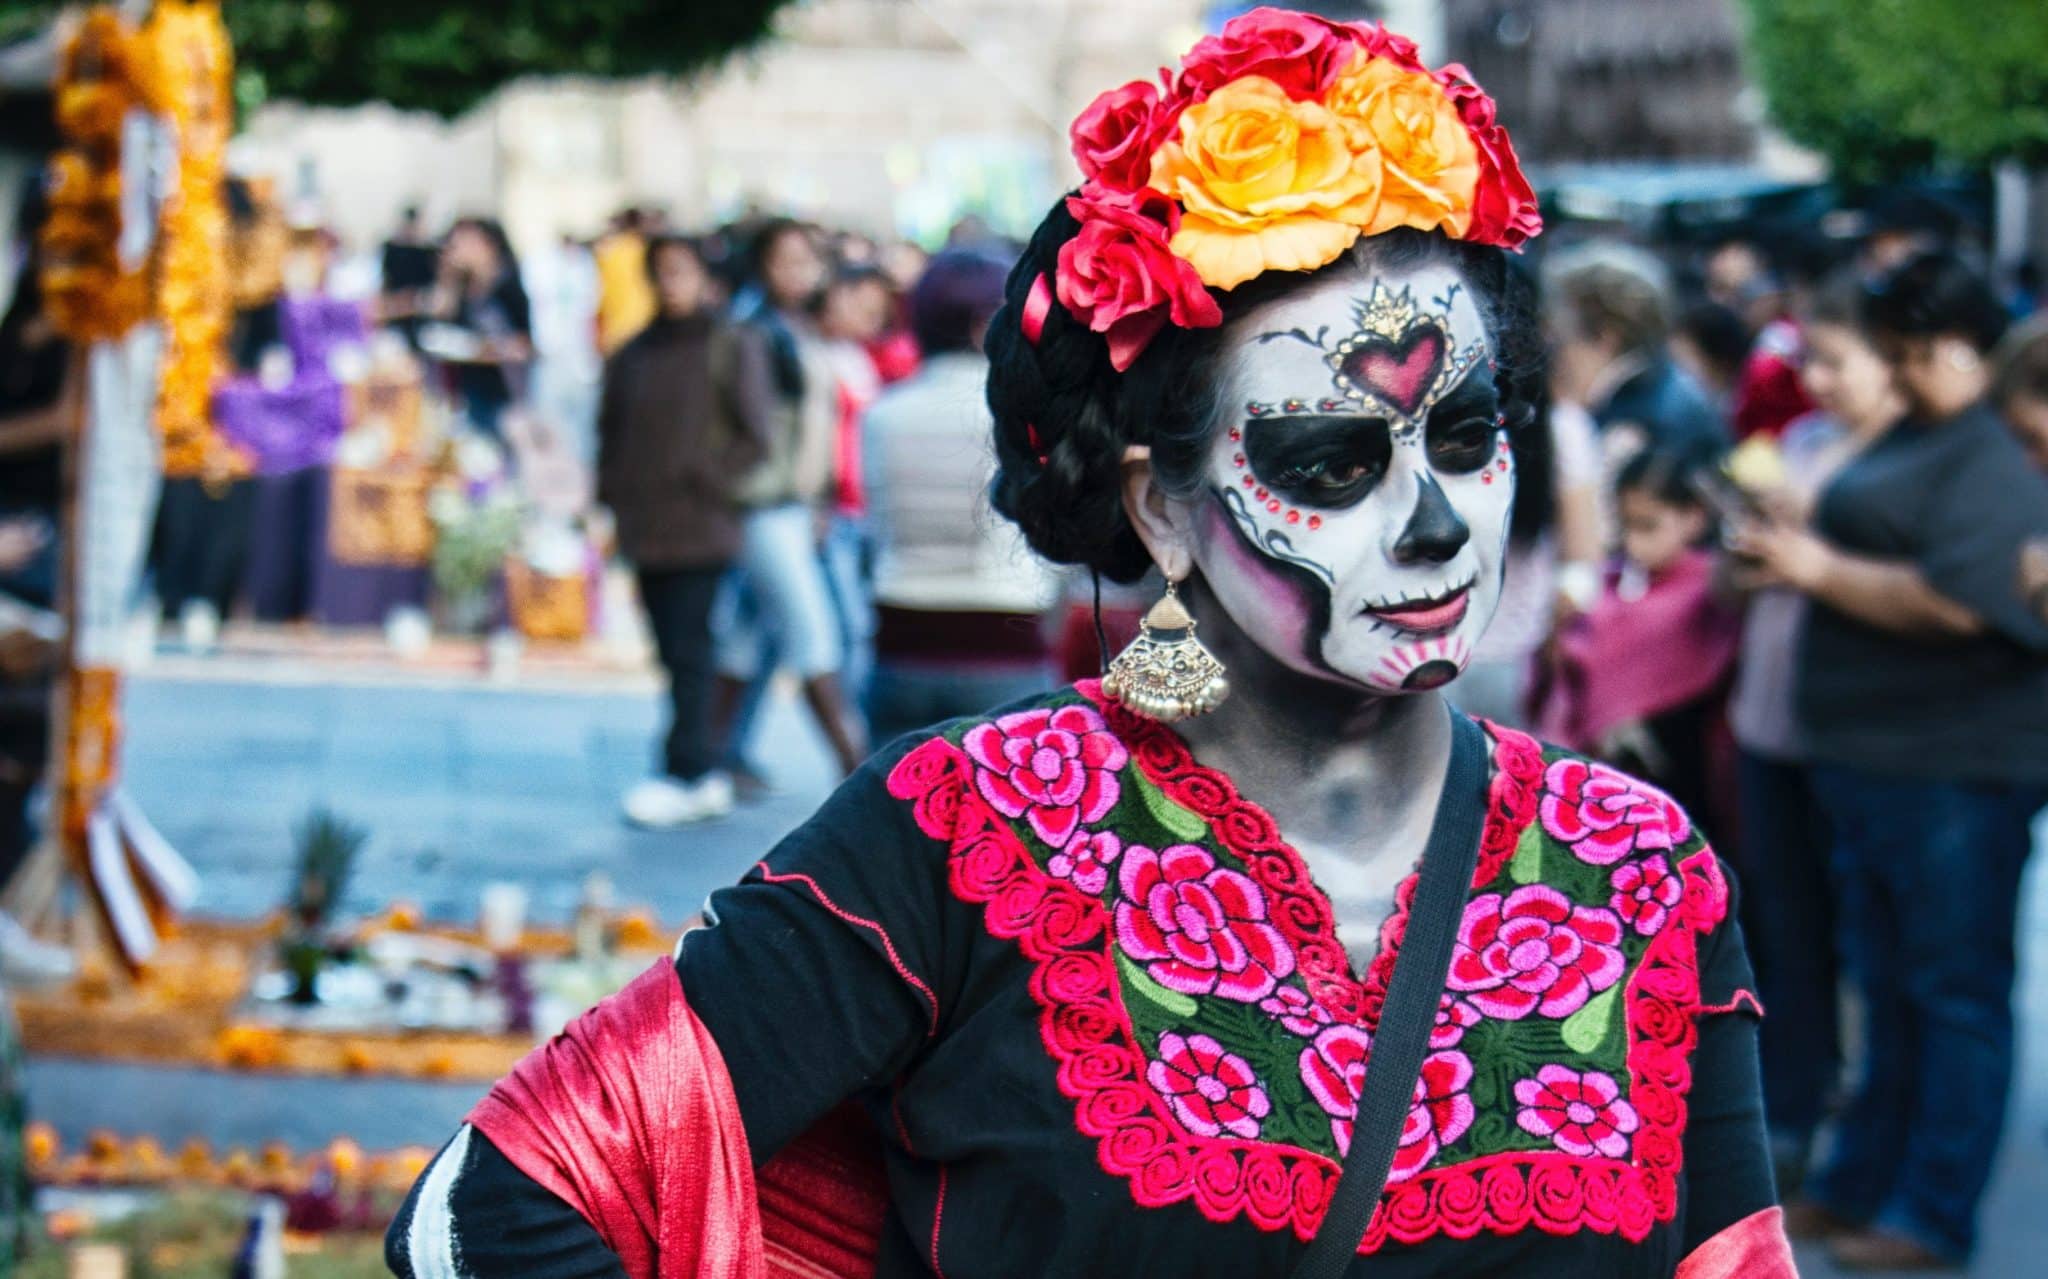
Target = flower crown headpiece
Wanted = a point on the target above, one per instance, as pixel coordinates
(1283, 139)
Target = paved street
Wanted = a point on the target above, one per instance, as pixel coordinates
(461, 782)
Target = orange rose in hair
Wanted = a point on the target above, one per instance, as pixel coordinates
(1266, 184)
(1428, 161)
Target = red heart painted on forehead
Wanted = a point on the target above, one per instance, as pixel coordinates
(1400, 373)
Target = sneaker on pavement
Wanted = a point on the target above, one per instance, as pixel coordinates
(663, 803)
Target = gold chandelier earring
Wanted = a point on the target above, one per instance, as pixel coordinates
(1166, 674)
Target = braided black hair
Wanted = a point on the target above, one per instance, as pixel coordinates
(1064, 416)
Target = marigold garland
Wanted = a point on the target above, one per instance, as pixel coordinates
(195, 300)
(107, 70)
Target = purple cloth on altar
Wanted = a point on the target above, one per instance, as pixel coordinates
(314, 326)
(358, 594)
(283, 430)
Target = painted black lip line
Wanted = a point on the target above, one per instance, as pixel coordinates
(1411, 606)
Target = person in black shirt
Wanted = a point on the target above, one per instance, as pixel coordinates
(1923, 694)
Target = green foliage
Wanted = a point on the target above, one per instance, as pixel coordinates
(1887, 87)
(327, 854)
(445, 55)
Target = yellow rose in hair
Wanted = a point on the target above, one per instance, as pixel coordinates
(1265, 183)
(1429, 163)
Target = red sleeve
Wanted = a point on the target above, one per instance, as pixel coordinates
(628, 1116)
(1753, 1248)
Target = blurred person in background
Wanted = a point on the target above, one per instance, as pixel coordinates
(852, 314)
(625, 301)
(687, 409)
(1790, 907)
(1607, 312)
(480, 294)
(406, 270)
(1923, 699)
(1641, 678)
(785, 615)
(961, 601)
(2021, 387)
(1711, 343)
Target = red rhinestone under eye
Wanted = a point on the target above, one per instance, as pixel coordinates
(1315, 522)
(1294, 517)
(1274, 506)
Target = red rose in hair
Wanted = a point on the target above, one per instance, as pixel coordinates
(1119, 275)
(1297, 51)
(1504, 208)
(1113, 140)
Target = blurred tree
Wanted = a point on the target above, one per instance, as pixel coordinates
(1885, 87)
(445, 55)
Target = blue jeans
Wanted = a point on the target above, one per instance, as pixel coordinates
(1788, 902)
(1929, 875)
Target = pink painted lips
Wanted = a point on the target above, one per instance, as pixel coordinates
(1428, 616)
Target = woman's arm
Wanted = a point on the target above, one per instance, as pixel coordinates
(1891, 595)
(474, 1216)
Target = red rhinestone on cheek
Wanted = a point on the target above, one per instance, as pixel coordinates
(1315, 522)
(1294, 517)
(1486, 478)
(1274, 506)
(1260, 493)
(1249, 481)
(1239, 459)
(1236, 435)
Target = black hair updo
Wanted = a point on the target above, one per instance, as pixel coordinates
(1064, 415)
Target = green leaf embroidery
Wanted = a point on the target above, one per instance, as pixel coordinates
(1584, 1030)
(1526, 867)
(1140, 982)
(1178, 821)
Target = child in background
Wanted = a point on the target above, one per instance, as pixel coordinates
(1641, 679)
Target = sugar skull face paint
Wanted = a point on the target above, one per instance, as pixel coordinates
(1360, 491)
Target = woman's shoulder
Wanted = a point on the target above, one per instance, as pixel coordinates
(1599, 835)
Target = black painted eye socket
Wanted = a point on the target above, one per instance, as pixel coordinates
(1462, 447)
(1327, 462)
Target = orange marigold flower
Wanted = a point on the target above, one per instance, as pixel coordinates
(1428, 162)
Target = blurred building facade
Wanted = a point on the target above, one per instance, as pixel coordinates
(890, 116)
(1612, 80)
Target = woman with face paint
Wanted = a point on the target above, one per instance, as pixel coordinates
(1105, 976)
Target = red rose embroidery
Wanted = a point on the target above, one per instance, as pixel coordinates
(1086, 859)
(1453, 1018)
(1333, 1070)
(1201, 927)
(1644, 893)
(1054, 768)
(1297, 51)
(1113, 140)
(1605, 815)
(1120, 277)
(1294, 1009)
(1534, 951)
(1209, 1090)
(1582, 1114)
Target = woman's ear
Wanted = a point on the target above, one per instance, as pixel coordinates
(1164, 523)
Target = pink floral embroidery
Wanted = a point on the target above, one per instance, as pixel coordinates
(1333, 1069)
(1085, 860)
(1605, 815)
(1453, 1018)
(1054, 768)
(1582, 1114)
(1294, 1009)
(1202, 927)
(1534, 951)
(1209, 1090)
(1645, 893)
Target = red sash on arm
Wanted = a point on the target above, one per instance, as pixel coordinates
(1753, 1248)
(628, 1116)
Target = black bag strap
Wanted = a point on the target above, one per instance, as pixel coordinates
(1409, 1013)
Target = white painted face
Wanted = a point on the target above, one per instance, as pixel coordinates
(1357, 517)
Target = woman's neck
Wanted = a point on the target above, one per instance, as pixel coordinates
(1319, 753)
